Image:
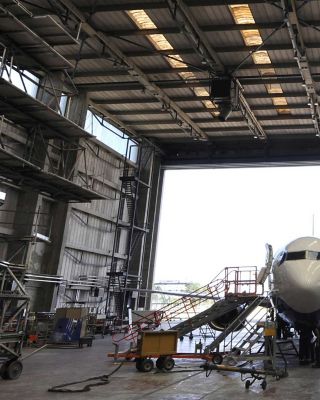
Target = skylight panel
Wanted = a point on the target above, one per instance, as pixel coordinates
(280, 101)
(160, 42)
(251, 37)
(242, 15)
(274, 88)
(142, 19)
(261, 57)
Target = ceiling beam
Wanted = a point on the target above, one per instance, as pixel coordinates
(280, 117)
(200, 69)
(150, 71)
(299, 47)
(205, 28)
(158, 111)
(178, 115)
(180, 84)
(216, 130)
(218, 49)
(186, 51)
(132, 100)
(221, 49)
(241, 151)
(156, 5)
(274, 95)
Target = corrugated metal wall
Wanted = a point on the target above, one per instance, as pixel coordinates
(75, 241)
(91, 228)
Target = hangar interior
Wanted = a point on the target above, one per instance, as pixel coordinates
(99, 98)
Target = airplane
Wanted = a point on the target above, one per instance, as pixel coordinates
(296, 288)
(296, 281)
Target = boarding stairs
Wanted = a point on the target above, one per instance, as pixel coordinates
(240, 321)
(232, 288)
(254, 337)
(250, 337)
(217, 310)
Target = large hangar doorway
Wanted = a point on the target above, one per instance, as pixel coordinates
(216, 218)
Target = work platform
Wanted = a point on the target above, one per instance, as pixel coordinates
(18, 169)
(42, 123)
(28, 112)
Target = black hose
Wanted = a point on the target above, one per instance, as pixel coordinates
(102, 380)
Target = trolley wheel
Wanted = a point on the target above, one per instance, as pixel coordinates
(217, 359)
(11, 370)
(138, 364)
(159, 362)
(146, 365)
(168, 363)
(247, 384)
(3, 370)
(264, 384)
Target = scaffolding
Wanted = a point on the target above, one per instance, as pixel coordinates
(50, 149)
(43, 152)
(14, 312)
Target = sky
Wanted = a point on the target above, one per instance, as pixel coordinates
(216, 218)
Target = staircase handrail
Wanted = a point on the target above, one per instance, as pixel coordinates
(249, 332)
(216, 289)
(234, 324)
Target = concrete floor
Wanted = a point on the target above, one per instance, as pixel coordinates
(56, 366)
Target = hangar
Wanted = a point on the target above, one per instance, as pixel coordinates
(99, 98)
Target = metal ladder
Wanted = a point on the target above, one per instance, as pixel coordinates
(233, 326)
(218, 309)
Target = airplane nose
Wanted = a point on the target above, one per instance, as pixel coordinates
(299, 285)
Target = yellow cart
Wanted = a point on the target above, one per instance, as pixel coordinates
(162, 346)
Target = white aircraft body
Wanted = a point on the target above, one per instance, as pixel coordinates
(296, 281)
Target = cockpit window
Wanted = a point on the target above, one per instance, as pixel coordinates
(303, 255)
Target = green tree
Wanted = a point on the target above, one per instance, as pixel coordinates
(192, 286)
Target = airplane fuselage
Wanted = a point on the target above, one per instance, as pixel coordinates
(296, 280)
